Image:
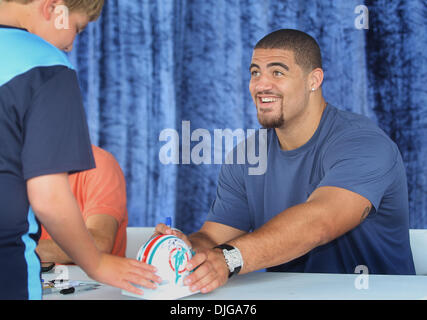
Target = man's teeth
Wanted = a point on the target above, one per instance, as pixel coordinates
(269, 99)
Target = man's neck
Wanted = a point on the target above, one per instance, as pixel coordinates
(296, 134)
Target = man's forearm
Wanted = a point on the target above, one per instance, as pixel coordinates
(49, 251)
(200, 241)
(283, 238)
(329, 213)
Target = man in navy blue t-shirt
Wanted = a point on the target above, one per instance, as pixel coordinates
(333, 197)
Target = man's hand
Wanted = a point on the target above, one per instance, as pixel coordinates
(210, 268)
(161, 228)
(210, 271)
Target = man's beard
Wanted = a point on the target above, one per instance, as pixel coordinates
(271, 122)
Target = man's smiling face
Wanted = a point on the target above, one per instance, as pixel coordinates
(278, 87)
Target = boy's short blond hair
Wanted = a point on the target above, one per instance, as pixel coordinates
(92, 8)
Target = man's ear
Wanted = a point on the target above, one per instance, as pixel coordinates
(315, 78)
(47, 8)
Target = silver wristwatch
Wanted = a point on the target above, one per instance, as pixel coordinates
(233, 258)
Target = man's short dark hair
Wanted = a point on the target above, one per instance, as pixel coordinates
(305, 48)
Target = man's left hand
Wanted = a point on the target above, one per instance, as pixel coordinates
(210, 271)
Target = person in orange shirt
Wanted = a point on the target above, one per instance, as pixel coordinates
(101, 196)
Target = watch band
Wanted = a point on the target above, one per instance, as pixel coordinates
(233, 258)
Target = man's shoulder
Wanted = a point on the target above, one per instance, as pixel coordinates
(357, 138)
(353, 128)
(104, 159)
(347, 120)
(101, 153)
(106, 168)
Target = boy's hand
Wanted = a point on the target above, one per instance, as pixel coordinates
(123, 272)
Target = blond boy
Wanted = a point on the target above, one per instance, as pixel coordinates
(45, 137)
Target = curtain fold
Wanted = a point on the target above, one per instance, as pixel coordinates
(146, 66)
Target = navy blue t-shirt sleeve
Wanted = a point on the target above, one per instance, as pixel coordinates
(230, 206)
(362, 162)
(56, 137)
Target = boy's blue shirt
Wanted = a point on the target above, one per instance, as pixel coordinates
(43, 131)
(23, 51)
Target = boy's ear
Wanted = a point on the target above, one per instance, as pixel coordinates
(47, 7)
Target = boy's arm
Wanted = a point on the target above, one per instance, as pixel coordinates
(53, 203)
(102, 228)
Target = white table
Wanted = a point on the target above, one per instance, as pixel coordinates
(276, 286)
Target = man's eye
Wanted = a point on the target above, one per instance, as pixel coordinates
(255, 73)
(277, 73)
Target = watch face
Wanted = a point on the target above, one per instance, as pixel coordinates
(234, 260)
(170, 255)
(232, 257)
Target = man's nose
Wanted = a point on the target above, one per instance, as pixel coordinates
(263, 84)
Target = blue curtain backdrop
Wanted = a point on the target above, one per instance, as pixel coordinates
(148, 65)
